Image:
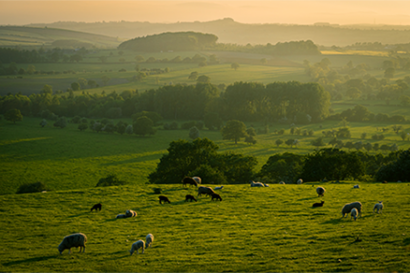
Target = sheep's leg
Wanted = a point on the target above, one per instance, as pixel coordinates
(69, 251)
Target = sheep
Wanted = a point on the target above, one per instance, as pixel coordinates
(197, 179)
(378, 206)
(205, 190)
(121, 216)
(189, 181)
(348, 207)
(356, 187)
(130, 213)
(318, 204)
(150, 239)
(266, 185)
(219, 188)
(136, 246)
(300, 181)
(73, 240)
(189, 197)
(257, 184)
(320, 191)
(96, 207)
(163, 199)
(216, 196)
(282, 182)
(353, 214)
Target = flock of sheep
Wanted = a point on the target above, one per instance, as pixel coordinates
(79, 239)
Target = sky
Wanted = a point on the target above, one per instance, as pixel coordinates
(396, 12)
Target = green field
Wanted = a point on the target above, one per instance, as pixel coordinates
(252, 229)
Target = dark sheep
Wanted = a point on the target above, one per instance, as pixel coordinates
(320, 191)
(189, 197)
(189, 181)
(96, 207)
(318, 204)
(163, 199)
(216, 196)
(205, 190)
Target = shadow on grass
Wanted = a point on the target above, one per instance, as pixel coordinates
(307, 198)
(133, 160)
(334, 221)
(80, 214)
(38, 259)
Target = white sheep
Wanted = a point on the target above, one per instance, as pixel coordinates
(257, 184)
(300, 181)
(149, 240)
(73, 240)
(320, 191)
(353, 213)
(282, 182)
(197, 179)
(219, 188)
(136, 246)
(348, 208)
(379, 206)
(130, 213)
(266, 185)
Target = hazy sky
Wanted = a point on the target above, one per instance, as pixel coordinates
(16, 12)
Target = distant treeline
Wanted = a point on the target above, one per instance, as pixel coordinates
(178, 41)
(247, 101)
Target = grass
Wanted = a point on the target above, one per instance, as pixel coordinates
(69, 159)
(252, 229)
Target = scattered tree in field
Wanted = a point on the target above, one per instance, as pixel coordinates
(82, 126)
(281, 132)
(193, 76)
(363, 135)
(43, 123)
(250, 139)
(376, 146)
(368, 147)
(279, 142)
(31, 69)
(92, 83)
(75, 86)
(61, 122)
(235, 66)
(389, 72)
(139, 58)
(109, 128)
(83, 82)
(251, 131)
(193, 132)
(397, 128)
(97, 126)
(290, 142)
(234, 130)
(105, 79)
(103, 59)
(349, 145)
(47, 89)
(143, 126)
(403, 135)
(13, 115)
(318, 142)
(385, 147)
(358, 145)
(203, 79)
(333, 142)
(202, 64)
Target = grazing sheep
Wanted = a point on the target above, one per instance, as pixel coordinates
(320, 191)
(356, 187)
(197, 179)
(73, 240)
(300, 181)
(150, 239)
(257, 184)
(130, 213)
(96, 207)
(282, 182)
(348, 208)
(353, 214)
(189, 181)
(379, 206)
(163, 199)
(318, 204)
(266, 185)
(219, 188)
(189, 197)
(121, 216)
(205, 190)
(216, 196)
(137, 245)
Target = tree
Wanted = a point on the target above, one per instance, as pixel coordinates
(318, 142)
(13, 115)
(389, 72)
(139, 58)
(47, 89)
(103, 59)
(31, 69)
(193, 132)
(83, 82)
(368, 147)
(140, 76)
(234, 130)
(105, 79)
(251, 131)
(203, 79)
(92, 83)
(61, 122)
(290, 142)
(250, 139)
(75, 86)
(82, 126)
(143, 126)
(212, 121)
(193, 76)
(235, 66)
(279, 142)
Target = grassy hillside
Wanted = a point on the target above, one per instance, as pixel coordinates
(44, 36)
(252, 229)
(67, 159)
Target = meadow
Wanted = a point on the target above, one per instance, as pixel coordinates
(252, 229)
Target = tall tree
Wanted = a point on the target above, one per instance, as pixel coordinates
(13, 115)
(234, 130)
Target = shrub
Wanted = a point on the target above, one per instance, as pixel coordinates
(188, 125)
(32, 187)
(76, 119)
(281, 132)
(82, 126)
(110, 180)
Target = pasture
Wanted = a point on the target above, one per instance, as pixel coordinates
(252, 229)
(67, 159)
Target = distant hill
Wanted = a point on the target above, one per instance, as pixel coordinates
(230, 31)
(177, 41)
(47, 36)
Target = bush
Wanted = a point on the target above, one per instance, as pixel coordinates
(82, 126)
(187, 125)
(32, 187)
(76, 119)
(110, 180)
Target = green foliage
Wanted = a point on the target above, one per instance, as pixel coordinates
(318, 142)
(397, 170)
(283, 167)
(234, 130)
(110, 180)
(76, 119)
(154, 116)
(250, 139)
(209, 174)
(61, 122)
(193, 132)
(343, 133)
(235, 66)
(32, 187)
(13, 115)
(193, 76)
(212, 121)
(144, 126)
(203, 79)
(83, 126)
(187, 125)
(75, 86)
(279, 142)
